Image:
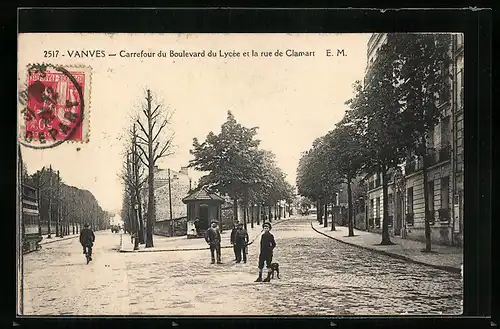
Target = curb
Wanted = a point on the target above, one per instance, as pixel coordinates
(48, 241)
(450, 269)
(191, 249)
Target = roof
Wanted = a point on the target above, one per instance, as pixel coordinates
(203, 195)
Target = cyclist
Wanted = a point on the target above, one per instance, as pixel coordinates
(87, 239)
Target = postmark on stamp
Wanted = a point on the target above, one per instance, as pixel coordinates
(54, 106)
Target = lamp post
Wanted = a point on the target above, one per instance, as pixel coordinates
(136, 240)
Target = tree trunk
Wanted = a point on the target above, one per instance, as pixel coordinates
(245, 205)
(325, 222)
(49, 219)
(349, 203)
(333, 219)
(140, 222)
(151, 177)
(426, 207)
(318, 211)
(235, 209)
(270, 213)
(251, 220)
(57, 220)
(386, 240)
(258, 214)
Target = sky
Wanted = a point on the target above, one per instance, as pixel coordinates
(293, 100)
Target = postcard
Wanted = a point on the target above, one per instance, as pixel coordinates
(240, 174)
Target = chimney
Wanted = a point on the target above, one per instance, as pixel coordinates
(184, 170)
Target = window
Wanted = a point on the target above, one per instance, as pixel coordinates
(372, 211)
(445, 192)
(410, 200)
(377, 218)
(460, 89)
(430, 138)
(445, 131)
(444, 95)
(459, 40)
(430, 190)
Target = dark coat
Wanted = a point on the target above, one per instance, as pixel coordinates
(267, 243)
(86, 236)
(233, 234)
(241, 237)
(212, 236)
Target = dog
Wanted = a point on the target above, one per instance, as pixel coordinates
(275, 267)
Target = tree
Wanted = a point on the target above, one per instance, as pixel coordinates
(308, 178)
(422, 69)
(133, 176)
(316, 179)
(347, 157)
(375, 111)
(231, 158)
(153, 146)
(330, 179)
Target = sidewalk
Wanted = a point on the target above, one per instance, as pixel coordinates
(182, 243)
(442, 257)
(46, 240)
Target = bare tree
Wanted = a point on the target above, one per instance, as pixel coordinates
(133, 177)
(153, 144)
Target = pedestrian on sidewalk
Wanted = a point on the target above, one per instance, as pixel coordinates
(87, 239)
(213, 239)
(233, 235)
(197, 226)
(267, 245)
(241, 242)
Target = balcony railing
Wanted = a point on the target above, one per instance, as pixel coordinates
(410, 219)
(445, 153)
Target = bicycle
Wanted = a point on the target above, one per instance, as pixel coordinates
(87, 254)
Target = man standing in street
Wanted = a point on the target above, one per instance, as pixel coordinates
(267, 245)
(241, 241)
(233, 236)
(213, 239)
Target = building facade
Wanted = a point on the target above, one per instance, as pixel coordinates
(169, 196)
(170, 187)
(445, 171)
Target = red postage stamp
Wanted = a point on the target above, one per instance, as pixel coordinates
(55, 106)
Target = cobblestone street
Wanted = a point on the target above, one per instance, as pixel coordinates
(319, 276)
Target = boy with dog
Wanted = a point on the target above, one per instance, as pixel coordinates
(267, 245)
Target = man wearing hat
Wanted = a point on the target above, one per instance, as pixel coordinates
(87, 239)
(233, 236)
(241, 241)
(213, 239)
(267, 245)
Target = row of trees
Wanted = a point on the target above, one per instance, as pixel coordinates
(387, 123)
(64, 209)
(237, 167)
(148, 141)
